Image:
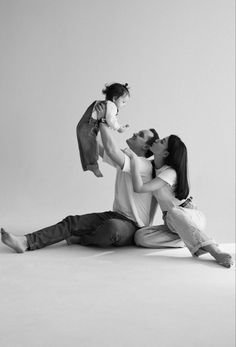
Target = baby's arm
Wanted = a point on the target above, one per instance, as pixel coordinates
(123, 128)
(111, 118)
(112, 122)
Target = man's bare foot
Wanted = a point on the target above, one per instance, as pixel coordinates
(224, 259)
(17, 243)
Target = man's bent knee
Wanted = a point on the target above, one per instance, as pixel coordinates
(115, 232)
(139, 237)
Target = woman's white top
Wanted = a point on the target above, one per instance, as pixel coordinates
(165, 195)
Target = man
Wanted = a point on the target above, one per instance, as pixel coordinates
(110, 228)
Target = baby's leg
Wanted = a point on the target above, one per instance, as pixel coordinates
(17, 243)
(95, 169)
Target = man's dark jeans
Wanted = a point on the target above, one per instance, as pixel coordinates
(103, 229)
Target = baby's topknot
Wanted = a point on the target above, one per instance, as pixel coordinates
(115, 90)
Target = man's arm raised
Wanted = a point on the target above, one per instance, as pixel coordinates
(100, 150)
(110, 147)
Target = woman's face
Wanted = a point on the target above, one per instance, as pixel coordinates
(160, 147)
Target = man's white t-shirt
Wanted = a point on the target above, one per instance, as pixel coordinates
(135, 206)
(165, 195)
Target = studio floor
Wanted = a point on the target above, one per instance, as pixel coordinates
(121, 297)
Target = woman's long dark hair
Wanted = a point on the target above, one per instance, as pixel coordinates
(178, 160)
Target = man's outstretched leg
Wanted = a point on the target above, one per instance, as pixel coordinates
(103, 229)
(41, 238)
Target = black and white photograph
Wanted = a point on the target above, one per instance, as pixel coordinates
(117, 152)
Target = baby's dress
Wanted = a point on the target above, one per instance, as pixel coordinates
(87, 130)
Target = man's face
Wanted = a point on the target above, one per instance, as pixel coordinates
(138, 142)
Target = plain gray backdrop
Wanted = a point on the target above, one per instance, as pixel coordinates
(56, 56)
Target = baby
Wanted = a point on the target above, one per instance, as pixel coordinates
(116, 97)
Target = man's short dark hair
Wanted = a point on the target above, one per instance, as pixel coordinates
(151, 141)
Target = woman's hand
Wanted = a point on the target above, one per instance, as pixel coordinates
(134, 170)
(130, 153)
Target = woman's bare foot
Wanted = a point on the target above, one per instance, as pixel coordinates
(221, 258)
(17, 243)
(224, 259)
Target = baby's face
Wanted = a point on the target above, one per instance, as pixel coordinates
(121, 101)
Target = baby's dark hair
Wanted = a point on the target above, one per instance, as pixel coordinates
(115, 90)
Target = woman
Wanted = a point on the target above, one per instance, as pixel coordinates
(183, 221)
